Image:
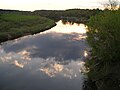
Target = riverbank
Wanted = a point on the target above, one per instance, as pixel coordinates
(15, 25)
(104, 62)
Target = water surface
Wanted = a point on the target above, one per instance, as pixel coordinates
(51, 60)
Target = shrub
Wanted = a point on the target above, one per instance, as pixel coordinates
(104, 39)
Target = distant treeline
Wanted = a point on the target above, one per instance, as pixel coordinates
(74, 15)
(2, 11)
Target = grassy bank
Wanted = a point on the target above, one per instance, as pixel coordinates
(104, 62)
(16, 25)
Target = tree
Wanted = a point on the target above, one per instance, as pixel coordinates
(112, 5)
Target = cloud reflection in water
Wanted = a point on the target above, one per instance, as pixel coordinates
(53, 55)
(50, 66)
(18, 64)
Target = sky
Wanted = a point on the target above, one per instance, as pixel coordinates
(31, 5)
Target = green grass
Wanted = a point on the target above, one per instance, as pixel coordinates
(17, 25)
(18, 17)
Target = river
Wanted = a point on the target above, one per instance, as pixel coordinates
(51, 60)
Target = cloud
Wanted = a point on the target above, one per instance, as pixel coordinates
(48, 4)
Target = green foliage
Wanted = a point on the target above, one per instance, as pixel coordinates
(104, 39)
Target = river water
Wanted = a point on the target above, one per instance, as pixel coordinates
(51, 60)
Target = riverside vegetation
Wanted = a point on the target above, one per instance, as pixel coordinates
(104, 62)
(103, 37)
(71, 15)
(14, 25)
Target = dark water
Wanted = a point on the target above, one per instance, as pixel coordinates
(52, 60)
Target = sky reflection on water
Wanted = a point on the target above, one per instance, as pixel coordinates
(52, 60)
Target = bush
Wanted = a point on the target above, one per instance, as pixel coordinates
(104, 39)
